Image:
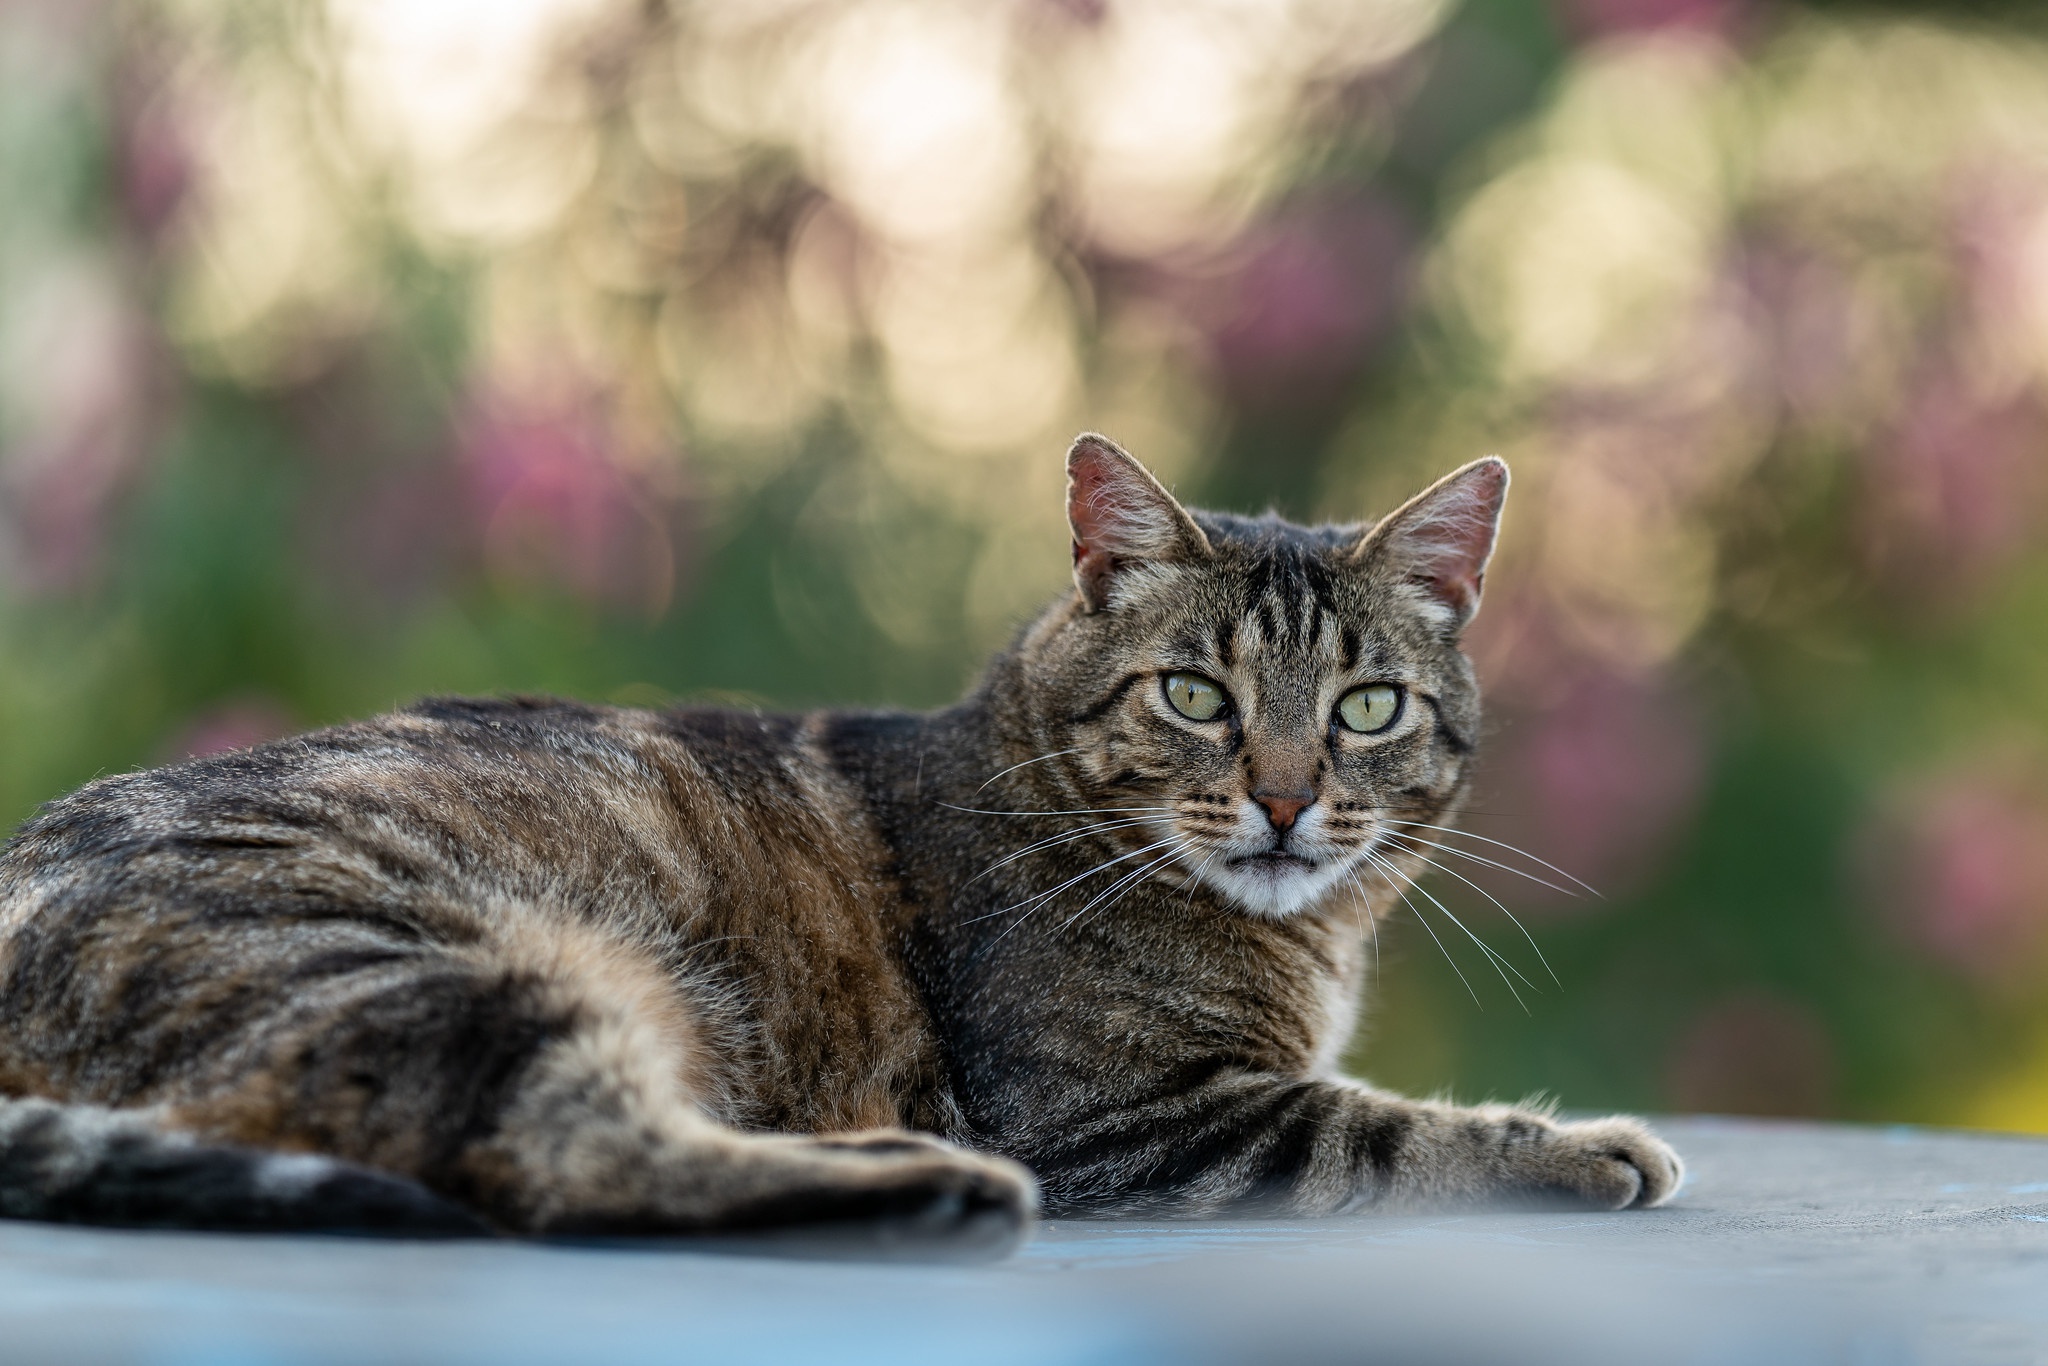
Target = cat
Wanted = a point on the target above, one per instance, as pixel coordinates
(1088, 941)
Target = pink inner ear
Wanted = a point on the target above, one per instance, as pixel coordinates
(1119, 514)
(1096, 515)
(1447, 537)
(1086, 506)
(1114, 509)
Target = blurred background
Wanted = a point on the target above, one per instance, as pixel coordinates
(727, 350)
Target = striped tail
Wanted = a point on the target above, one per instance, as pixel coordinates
(80, 1164)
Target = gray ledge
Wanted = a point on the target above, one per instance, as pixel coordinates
(1790, 1243)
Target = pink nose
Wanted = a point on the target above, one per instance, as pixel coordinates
(1283, 807)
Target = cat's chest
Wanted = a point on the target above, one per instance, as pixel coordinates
(1336, 1005)
(1277, 997)
(1306, 1001)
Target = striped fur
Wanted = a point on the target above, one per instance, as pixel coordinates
(565, 968)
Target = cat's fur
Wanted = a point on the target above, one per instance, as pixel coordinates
(541, 966)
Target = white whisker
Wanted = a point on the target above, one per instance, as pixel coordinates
(1365, 918)
(1500, 964)
(1039, 902)
(1195, 878)
(1079, 811)
(1064, 837)
(1471, 857)
(1056, 754)
(1502, 844)
(1380, 867)
(1125, 880)
(1512, 918)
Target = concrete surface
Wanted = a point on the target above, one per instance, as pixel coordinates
(1790, 1243)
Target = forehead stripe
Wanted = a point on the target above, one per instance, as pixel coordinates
(1269, 626)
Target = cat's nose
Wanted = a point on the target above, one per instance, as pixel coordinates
(1283, 807)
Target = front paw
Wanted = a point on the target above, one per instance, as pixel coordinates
(1612, 1163)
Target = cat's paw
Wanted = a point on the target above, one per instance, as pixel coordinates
(912, 1191)
(886, 1143)
(1612, 1163)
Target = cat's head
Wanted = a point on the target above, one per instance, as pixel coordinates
(1260, 699)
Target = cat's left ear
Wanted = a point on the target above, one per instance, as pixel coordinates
(1441, 539)
(1121, 516)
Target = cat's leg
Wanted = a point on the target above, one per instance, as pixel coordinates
(85, 1164)
(548, 1085)
(595, 1140)
(1316, 1147)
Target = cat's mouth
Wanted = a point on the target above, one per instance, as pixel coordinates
(1273, 860)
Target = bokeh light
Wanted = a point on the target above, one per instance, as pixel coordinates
(357, 349)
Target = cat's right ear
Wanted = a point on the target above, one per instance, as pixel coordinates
(1441, 539)
(1121, 516)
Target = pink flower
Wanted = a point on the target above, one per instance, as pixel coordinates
(1958, 490)
(555, 506)
(1291, 309)
(1597, 18)
(153, 158)
(232, 725)
(1753, 1053)
(1825, 354)
(1958, 487)
(89, 400)
(1962, 861)
(1597, 777)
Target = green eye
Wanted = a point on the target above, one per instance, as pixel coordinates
(1195, 697)
(1370, 708)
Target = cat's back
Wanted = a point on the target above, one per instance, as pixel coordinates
(516, 794)
(718, 845)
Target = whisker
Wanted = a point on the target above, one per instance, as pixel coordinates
(1195, 878)
(1038, 902)
(1056, 754)
(1503, 844)
(1079, 811)
(1500, 964)
(1123, 881)
(1471, 857)
(1365, 919)
(1112, 902)
(1064, 837)
(1380, 868)
(1483, 892)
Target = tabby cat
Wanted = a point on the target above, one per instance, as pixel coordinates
(1090, 939)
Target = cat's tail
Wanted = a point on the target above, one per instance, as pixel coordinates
(80, 1164)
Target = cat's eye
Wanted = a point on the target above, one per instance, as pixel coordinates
(1195, 697)
(1371, 708)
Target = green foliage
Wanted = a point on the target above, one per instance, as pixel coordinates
(714, 422)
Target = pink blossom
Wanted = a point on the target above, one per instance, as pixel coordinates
(1958, 487)
(555, 506)
(1598, 778)
(1995, 209)
(90, 398)
(153, 158)
(1958, 490)
(1291, 309)
(1597, 18)
(1962, 861)
(1823, 352)
(231, 725)
(1753, 1053)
